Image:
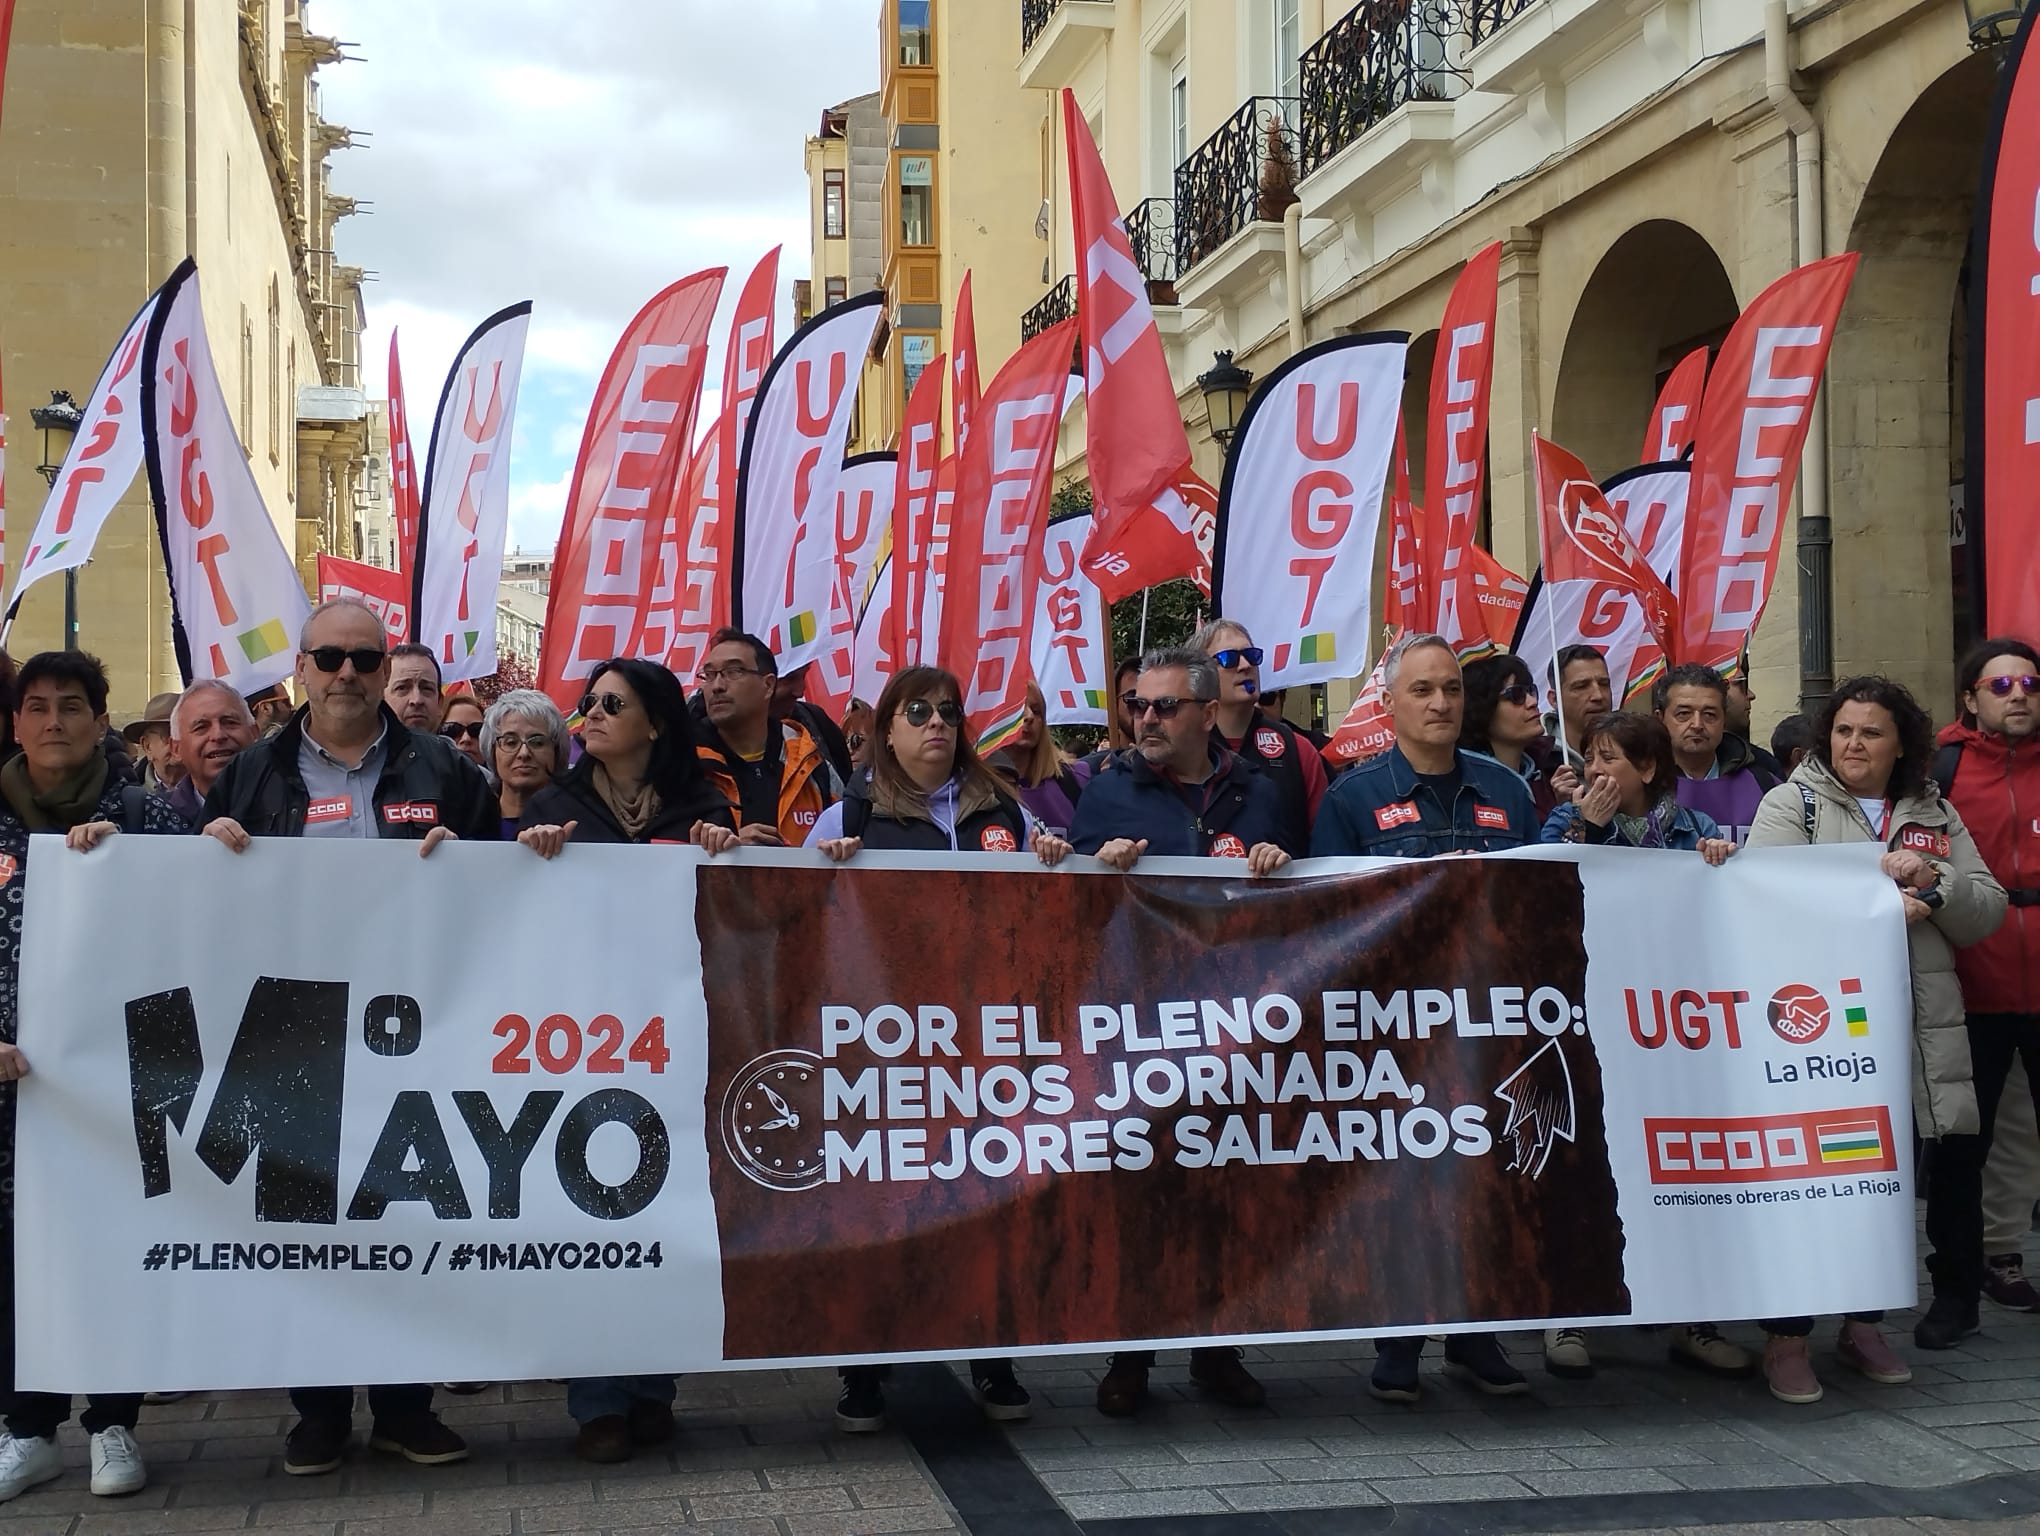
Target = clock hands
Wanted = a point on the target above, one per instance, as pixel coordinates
(787, 1120)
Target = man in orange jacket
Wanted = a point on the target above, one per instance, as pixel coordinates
(773, 771)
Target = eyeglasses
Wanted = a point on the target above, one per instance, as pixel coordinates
(921, 711)
(327, 658)
(709, 675)
(1164, 709)
(1518, 693)
(454, 731)
(534, 744)
(1228, 659)
(2001, 687)
(611, 704)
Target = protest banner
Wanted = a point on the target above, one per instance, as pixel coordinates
(387, 593)
(1072, 640)
(403, 468)
(933, 1105)
(1675, 419)
(1455, 454)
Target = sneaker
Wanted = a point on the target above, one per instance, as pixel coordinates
(1863, 1347)
(1219, 1372)
(1479, 1358)
(164, 1397)
(1788, 1369)
(422, 1440)
(117, 1463)
(1948, 1321)
(1565, 1354)
(25, 1461)
(1701, 1346)
(2005, 1282)
(605, 1440)
(316, 1446)
(466, 1388)
(1000, 1394)
(651, 1423)
(1124, 1388)
(860, 1410)
(1395, 1370)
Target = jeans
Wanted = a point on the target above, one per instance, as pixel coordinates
(601, 1397)
(387, 1405)
(2011, 1174)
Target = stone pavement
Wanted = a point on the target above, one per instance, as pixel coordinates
(1643, 1447)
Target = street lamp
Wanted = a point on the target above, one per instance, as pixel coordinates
(1227, 387)
(1992, 23)
(59, 422)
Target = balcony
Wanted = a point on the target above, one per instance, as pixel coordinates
(1058, 37)
(1379, 58)
(1484, 18)
(1244, 174)
(1151, 227)
(1056, 306)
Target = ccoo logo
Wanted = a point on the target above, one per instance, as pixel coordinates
(1798, 1013)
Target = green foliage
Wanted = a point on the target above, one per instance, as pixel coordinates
(1175, 608)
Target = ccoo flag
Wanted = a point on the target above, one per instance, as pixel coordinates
(1676, 417)
(1301, 505)
(1455, 456)
(920, 544)
(236, 601)
(465, 517)
(403, 470)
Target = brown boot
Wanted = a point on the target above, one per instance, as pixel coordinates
(1219, 1372)
(1125, 1385)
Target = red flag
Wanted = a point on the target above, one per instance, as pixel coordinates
(1581, 539)
(1368, 729)
(6, 26)
(1455, 457)
(914, 622)
(964, 397)
(744, 365)
(633, 452)
(2003, 470)
(403, 470)
(1135, 442)
(701, 585)
(1753, 426)
(387, 593)
(1501, 594)
(1405, 546)
(1003, 481)
(1677, 415)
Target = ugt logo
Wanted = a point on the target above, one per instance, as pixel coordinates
(1798, 1013)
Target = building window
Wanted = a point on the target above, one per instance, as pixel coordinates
(247, 422)
(915, 43)
(916, 353)
(275, 373)
(917, 200)
(832, 205)
(290, 396)
(837, 289)
(1288, 47)
(1179, 111)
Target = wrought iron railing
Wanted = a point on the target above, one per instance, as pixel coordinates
(1034, 15)
(1243, 174)
(1381, 55)
(1484, 18)
(1056, 306)
(1151, 226)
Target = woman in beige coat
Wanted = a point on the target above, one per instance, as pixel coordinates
(1866, 781)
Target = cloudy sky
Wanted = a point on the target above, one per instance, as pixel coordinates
(581, 156)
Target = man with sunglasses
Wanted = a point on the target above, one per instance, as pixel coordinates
(1179, 793)
(346, 766)
(1273, 746)
(774, 771)
(1988, 767)
(412, 686)
(1422, 798)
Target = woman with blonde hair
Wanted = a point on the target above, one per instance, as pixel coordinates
(1034, 768)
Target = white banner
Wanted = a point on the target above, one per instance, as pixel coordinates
(1297, 516)
(465, 518)
(783, 579)
(237, 601)
(1651, 501)
(863, 523)
(99, 468)
(449, 1140)
(1071, 641)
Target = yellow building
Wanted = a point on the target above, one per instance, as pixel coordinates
(137, 132)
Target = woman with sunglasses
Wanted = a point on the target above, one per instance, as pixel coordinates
(639, 779)
(1503, 721)
(926, 789)
(1037, 773)
(524, 747)
(463, 727)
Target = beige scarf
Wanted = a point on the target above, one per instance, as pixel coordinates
(634, 812)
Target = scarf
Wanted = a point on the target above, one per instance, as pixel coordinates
(634, 812)
(69, 804)
(1650, 829)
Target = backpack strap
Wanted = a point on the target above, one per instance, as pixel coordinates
(1810, 810)
(133, 807)
(856, 815)
(1947, 759)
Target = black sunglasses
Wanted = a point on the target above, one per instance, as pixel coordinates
(327, 658)
(611, 704)
(454, 731)
(1228, 659)
(921, 711)
(1164, 709)
(2001, 687)
(1517, 693)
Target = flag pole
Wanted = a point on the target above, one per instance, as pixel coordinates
(1143, 618)
(1550, 613)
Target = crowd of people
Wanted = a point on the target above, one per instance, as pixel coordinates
(1199, 762)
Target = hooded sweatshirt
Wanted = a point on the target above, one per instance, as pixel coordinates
(1996, 788)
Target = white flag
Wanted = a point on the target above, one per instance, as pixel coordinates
(863, 520)
(464, 519)
(1072, 650)
(236, 600)
(1297, 518)
(783, 577)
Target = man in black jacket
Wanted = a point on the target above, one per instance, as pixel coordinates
(346, 766)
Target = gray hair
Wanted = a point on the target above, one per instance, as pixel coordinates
(1209, 632)
(207, 685)
(332, 604)
(1203, 672)
(1391, 664)
(535, 707)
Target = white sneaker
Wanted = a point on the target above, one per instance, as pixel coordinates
(117, 1463)
(1565, 1354)
(25, 1462)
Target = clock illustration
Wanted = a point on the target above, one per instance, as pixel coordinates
(772, 1120)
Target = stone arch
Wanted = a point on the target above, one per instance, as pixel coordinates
(1659, 292)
